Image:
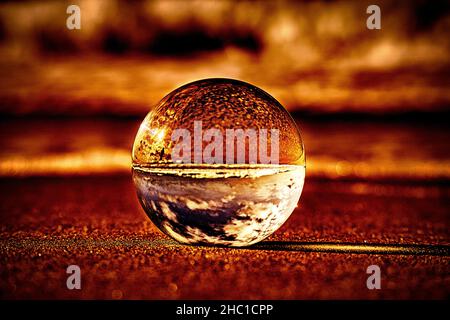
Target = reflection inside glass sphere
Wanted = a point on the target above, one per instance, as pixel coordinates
(218, 161)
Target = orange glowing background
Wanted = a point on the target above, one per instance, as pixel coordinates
(372, 107)
(317, 58)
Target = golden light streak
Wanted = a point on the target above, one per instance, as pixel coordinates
(328, 247)
(110, 160)
(403, 249)
(99, 161)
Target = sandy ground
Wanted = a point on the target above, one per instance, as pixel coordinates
(339, 229)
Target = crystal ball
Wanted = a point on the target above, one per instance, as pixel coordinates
(218, 162)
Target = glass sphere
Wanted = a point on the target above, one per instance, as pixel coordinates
(218, 162)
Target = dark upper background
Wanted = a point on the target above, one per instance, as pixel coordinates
(315, 57)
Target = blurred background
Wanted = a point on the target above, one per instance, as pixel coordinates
(370, 103)
(372, 106)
